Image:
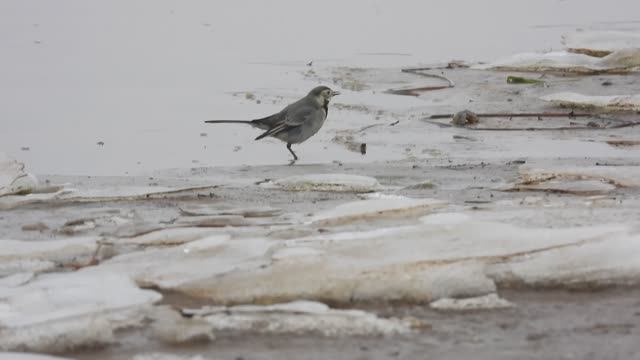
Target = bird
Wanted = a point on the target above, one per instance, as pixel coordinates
(295, 123)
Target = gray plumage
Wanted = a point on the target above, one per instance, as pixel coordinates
(296, 122)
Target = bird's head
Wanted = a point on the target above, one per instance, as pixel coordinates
(323, 94)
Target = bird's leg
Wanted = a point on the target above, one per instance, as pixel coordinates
(291, 151)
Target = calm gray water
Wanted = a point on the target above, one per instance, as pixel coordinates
(141, 76)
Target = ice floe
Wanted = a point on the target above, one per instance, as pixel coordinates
(170, 236)
(328, 182)
(600, 43)
(200, 260)
(13, 178)
(486, 302)
(171, 327)
(56, 312)
(568, 186)
(376, 208)
(301, 317)
(447, 256)
(211, 210)
(611, 103)
(28, 356)
(624, 60)
(167, 356)
(35, 256)
(105, 193)
(622, 176)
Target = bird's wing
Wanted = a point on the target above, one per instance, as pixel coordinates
(292, 117)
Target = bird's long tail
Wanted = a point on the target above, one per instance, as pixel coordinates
(228, 122)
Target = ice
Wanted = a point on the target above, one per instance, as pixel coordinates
(13, 178)
(620, 60)
(486, 302)
(302, 317)
(166, 356)
(577, 187)
(328, 182)
(178, 266)
(56, 312)
(600, 42)
(213, 221)
(606, 260)
(411, 263)
(11, 267)
(34, 256)
(16, 279)
(172, 328)
(611, 103)
(27, 356)
(104, 193)
(207, 209)
(375, 209)
(622, 176)
(171, 236)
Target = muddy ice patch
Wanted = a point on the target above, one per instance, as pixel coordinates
(587, 180)
(326, 182)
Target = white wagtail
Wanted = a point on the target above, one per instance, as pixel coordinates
(295, 123)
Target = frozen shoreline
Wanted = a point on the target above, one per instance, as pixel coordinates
(497, 220)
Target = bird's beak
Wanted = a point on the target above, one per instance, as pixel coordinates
(334, 93)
